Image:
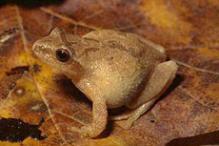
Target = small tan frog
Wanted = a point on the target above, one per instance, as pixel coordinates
(112, 68)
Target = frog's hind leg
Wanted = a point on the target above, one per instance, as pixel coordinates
(137, 113)
(161, 78)
(122, 116)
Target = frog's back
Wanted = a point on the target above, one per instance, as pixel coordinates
(120, 64)
(137, 46)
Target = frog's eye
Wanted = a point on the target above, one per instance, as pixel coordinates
(63, 55)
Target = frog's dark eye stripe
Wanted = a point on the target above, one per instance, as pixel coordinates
(63, 55)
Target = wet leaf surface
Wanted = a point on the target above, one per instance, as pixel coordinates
(31, 91)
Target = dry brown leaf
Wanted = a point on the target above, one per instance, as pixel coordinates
(186, 115)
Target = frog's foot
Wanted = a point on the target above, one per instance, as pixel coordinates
(137, 113)
(88, 131)
(98, 124)
(91, 131)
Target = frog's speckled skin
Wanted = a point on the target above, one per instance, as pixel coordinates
(112, 69)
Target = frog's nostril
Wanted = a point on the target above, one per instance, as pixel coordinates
(37, 45)
(37, 49)
(34, 47)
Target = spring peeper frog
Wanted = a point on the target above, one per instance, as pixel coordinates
(111, 68)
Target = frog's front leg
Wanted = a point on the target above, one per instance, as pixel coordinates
(99, 110)
(160, 80)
